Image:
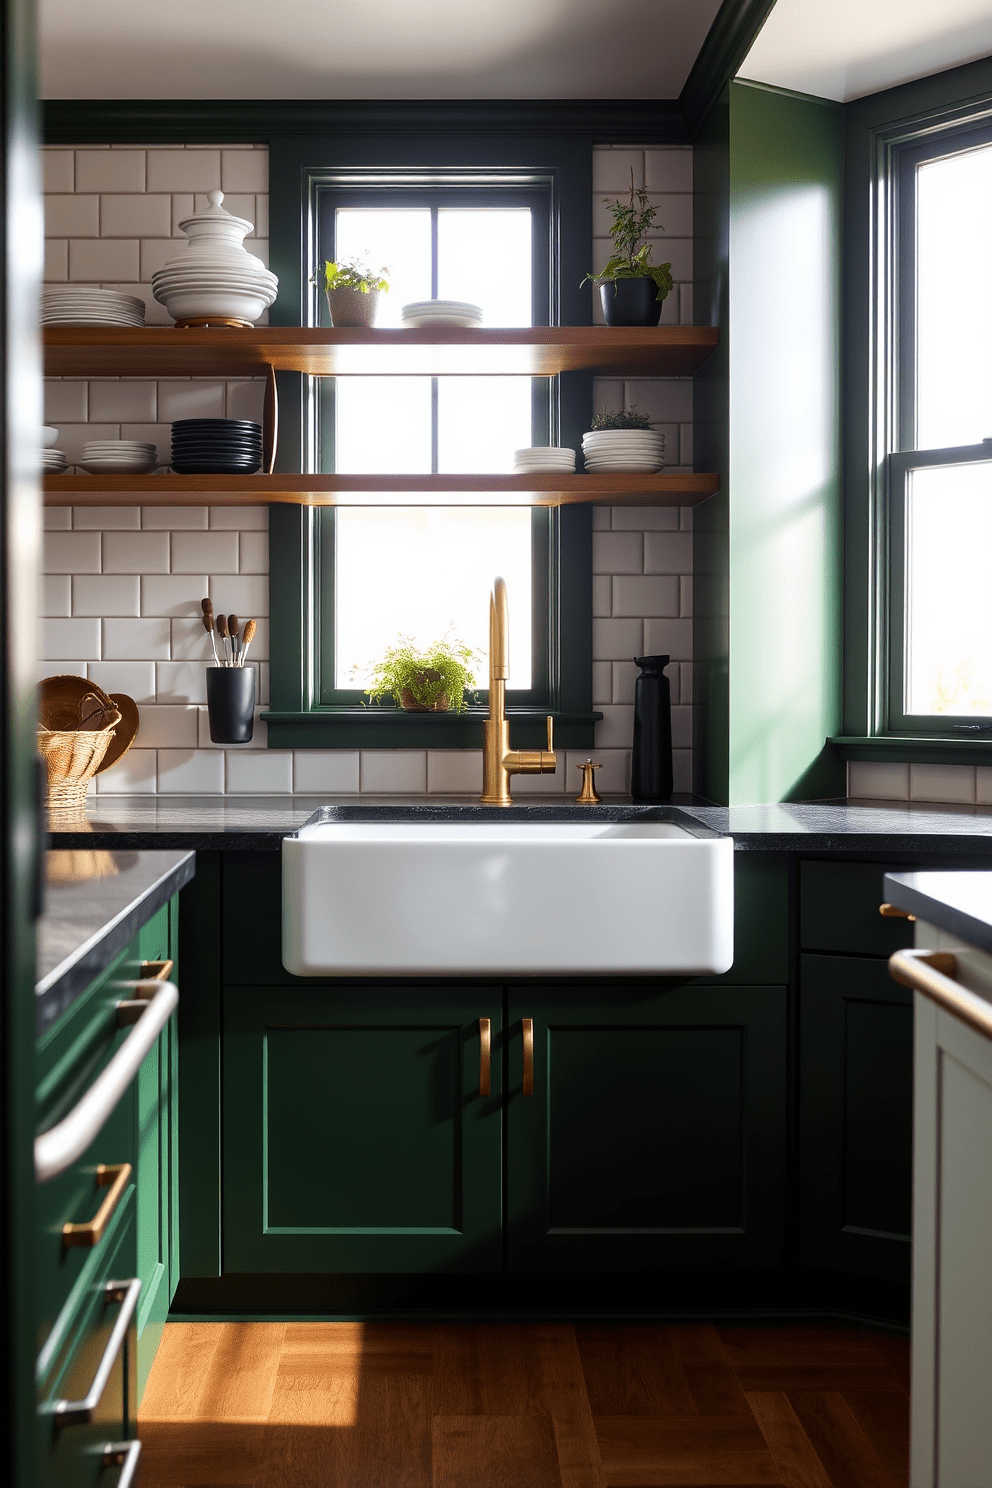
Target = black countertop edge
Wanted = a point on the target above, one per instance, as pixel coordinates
(99, 941)
(959, 902)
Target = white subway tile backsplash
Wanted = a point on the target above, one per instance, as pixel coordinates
(645, 518)
(318, 772)
(166, 728)
(671, 636)
(123, 402)
(183, 400)
(183, 170)
(190, 642)
(192, 552)
(70, 639)
(611, 171)
(106, 594)
(244, 170)
(682, 771)
(601, 519)
(136, 640)
(56, 595)
(617, 552)
(668, 169)
(65, 401)
(617, 728)
(136, 678)
(177, 596)
(246, 400)
(668, 552)
(681, 728)
(645, 595)
(942, 783)
(877, 780)
(617, 640)
(602, 596)
(190, 772)
(75, 216)
(247, 595)
(239, 518)
(260, 772)
(174, 518)
(602, 684)
(685, 596)
(132, 775)
(253, 553)
(110, 170)
(394, 772)
(136, 552)
(72, 552)
(180, 682)
(105, 518)
(665, 400)
(454, 772)
(135, 216)
(98, 260)
(58, 169)
(624, 675)
(57, 518)
(55, 269)
(983, 785)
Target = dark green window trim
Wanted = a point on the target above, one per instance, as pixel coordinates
(295, 717)
(877, 130)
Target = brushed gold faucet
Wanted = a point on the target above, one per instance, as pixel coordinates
(499, 761)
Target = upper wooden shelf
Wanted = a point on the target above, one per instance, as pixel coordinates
(665, 489)
(166, 351)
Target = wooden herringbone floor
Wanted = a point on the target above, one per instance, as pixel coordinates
(386, 1405)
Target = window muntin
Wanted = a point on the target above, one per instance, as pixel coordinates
(493, 251)
(938, 651)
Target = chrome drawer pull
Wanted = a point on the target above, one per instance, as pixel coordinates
(60, 1146)
(123, 1455)
(116, 1177)
(81, 1412)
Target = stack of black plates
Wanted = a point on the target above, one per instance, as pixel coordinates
(216, 446)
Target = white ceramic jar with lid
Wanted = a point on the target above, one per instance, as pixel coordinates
(215, 280)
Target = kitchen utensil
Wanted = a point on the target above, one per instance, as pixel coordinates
(249, 636)
(208, 625)
(223, 633)
(232, 630)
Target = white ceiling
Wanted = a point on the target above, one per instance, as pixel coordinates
(369, 48)
(844, 49)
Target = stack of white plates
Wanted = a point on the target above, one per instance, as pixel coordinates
(119, 457)
(441, 313)
(544, 460)
(78, 304)
(53, 462)
(214, 278)
(624, 451)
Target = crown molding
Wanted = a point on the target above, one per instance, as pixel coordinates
(727, 43)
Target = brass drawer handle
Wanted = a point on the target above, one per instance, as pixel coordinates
(527, 1083)
(156, 971)
(934, 974)
(117, 1176)
(485, 1055)
(890, 912)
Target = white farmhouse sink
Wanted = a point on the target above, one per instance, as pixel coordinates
(483, 897)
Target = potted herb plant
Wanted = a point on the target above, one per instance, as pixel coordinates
(631, 288)
(352, 290)
(431, 680)
(623, 442)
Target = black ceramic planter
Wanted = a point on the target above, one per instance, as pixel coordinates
(231, 704)
(651, 777)
(630, 302)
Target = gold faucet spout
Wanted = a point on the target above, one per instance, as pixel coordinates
(499, 761)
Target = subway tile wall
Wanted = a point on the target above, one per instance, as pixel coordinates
(958, 785)
(123, 585)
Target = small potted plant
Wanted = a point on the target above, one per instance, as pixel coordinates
(429, 680)
(352, 290)
(623, 442)
(631, 288)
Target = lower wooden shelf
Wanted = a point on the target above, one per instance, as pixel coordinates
(664, 489)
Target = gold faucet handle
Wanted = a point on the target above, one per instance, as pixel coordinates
(588, 796)
(551, 734)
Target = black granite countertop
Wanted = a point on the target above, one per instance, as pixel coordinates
(89, 920)
(261, 822)
(958, 902)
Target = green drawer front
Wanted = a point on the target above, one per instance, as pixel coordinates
(69, 1456)
(153, 938)
(839, 910)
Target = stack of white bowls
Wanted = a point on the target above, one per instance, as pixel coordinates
(441, 313)
(53, 461)
(215, 279)
(119, 457)
(79, 304)
(544, 460)
(624, 451)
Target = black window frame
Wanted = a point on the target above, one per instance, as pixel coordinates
(299, 168)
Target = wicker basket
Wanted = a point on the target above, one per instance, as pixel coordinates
(72, 757)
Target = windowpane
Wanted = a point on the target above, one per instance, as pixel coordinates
(484, 257)
(382, 425)
(397, 238)
(948, 595)
(954, 300)
(481, 421)
(424, 572)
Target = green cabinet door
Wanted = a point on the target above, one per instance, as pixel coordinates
(856, 1117)
(355, 1135)
(656, 1132)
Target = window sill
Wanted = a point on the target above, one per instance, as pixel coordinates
(391, 728)
(921, 749)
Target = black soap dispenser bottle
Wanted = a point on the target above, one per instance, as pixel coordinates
(651, 777)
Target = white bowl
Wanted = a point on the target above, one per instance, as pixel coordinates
(216, 303)
(48, 436)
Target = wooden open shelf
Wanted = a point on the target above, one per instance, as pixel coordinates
(435, 351)
(665, 489)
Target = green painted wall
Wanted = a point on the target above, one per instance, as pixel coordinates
(768, 547)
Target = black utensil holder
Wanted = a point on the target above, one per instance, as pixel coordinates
(231, 704)
(651, 775)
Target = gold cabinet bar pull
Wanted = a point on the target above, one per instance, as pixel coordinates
(485, 1055)
(116, 1177)
(527, 1084)
(890, 912)
(156, 971)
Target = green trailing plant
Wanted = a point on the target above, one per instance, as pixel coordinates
(352, 273)
(625, 419)
(632, 221)
(440, 670)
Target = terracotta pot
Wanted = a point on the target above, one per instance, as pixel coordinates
(349, 307)
(409, 703)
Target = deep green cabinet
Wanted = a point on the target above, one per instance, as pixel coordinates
(656, 1132)
(355, 1134)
